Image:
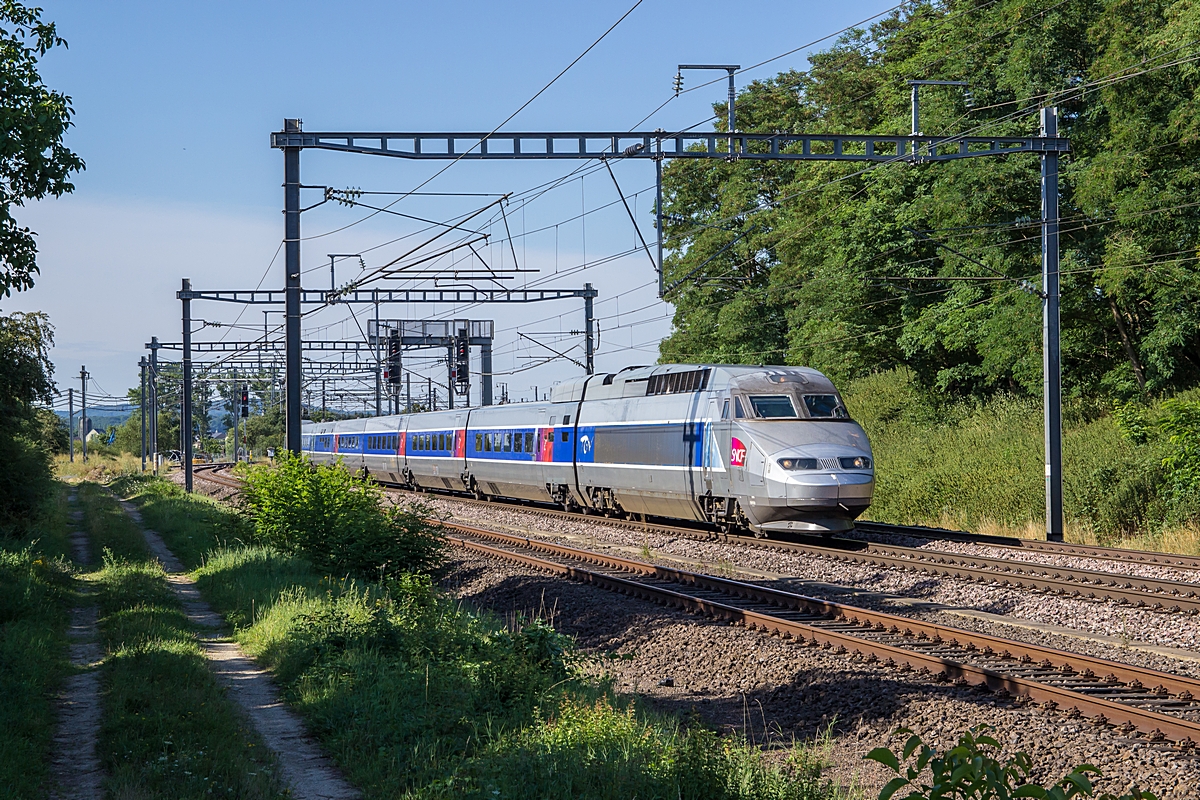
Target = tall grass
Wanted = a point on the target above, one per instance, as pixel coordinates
(35, 593)
(979, 466)
(99, 467)
(416, 696)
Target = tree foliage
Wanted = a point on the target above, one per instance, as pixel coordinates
(34, 162)
(847, 269)
(27, 436)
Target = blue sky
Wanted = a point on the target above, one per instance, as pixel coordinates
(175, 103)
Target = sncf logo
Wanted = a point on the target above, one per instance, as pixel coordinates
(738, 455)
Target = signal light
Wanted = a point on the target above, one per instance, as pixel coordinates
(245, 401)
(462, 362)
(393, 358)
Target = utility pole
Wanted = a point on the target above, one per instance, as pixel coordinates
(378, 367)
(142, 403)
(185, 422)
(237, 414)
(71, 423)
(1051, 349)
(83, 378)
(154, 401)
(291, 224)
(408, 393)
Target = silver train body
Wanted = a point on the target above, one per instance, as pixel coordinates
(765, 448)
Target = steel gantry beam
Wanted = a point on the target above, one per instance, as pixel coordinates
(310, 297)
(657, 144)
(732, 145)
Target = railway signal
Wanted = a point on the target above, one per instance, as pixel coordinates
(462, 362)
(393, 357)
(245, 401)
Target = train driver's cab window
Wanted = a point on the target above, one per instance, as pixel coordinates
(773, 406)
(825, 406)
(737, 408)
(725, 409)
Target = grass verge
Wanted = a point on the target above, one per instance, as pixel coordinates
(168, 730)
(35, 594)
(417, 697)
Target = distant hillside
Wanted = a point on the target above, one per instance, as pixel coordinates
(103, 416)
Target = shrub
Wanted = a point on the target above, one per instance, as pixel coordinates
(337, 521)
(971, 771)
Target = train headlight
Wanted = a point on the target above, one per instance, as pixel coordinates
(792, 464)
(855, 462)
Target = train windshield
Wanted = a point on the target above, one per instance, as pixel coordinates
(773, 406)
(825, 406)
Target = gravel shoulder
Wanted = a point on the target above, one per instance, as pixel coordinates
(776, 691)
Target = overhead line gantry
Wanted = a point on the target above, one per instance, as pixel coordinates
(660, 145)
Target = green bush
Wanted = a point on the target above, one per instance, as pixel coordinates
(971, 771)
(338, 521)
(26, 481)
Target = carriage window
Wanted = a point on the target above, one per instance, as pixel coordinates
(824, 406)
(479, 443)
(773, 406)
(566, 435)
(737, 408)
(508, 442)
(529, 443)
(487, 442)
(441, 441)
(516, 442)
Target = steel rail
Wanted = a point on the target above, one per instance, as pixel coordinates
(1056, 679)
(1119, 554)
(1130, 590)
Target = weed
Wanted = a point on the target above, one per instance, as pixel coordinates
(971, 771)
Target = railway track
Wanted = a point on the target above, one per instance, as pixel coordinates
(1127, 590)
(1159, 705)
(1118, 554)
(1162, 706)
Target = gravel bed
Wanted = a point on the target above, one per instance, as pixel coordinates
(773, 690)
(1155, 571)
(1095, 617)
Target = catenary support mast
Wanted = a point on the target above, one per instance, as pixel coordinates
(1051, 349)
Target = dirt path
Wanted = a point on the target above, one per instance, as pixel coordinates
(303, 767)
(75, 765)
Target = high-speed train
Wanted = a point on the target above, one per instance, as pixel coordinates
(766, 448)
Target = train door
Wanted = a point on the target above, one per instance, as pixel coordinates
(710, 458)
(756, 465)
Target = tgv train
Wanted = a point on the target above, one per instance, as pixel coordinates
(764, 448)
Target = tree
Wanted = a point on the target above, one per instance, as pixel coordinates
(855, 270)
(34, 162)
(26, 437)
